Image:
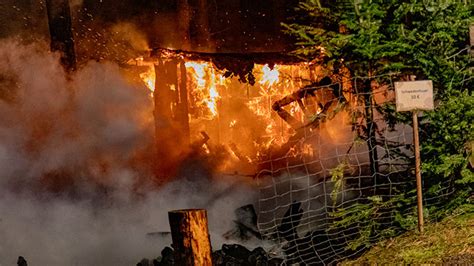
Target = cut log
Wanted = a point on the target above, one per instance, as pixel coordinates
(191, 242)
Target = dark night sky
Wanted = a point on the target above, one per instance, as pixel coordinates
(213, 26)
(233, 25)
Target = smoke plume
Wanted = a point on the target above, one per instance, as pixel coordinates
(76, 154)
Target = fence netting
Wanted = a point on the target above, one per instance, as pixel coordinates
(345, 177)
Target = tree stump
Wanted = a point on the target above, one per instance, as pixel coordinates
(191, 242)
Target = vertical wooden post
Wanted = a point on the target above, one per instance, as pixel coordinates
(171, 116)
(471, 39)
(191, 242)
(413, 96)
(419, 194)
(183, 116)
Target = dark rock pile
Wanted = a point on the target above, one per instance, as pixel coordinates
(229, 255)
(21, 261)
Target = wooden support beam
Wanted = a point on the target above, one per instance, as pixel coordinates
(191, 241)
(419, 183)
(167, 136)
(171, 115)
(471, 38)
(60, 29)
(183, 110)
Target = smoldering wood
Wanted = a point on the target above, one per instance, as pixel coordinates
(233, 64)
(233, 147)
(245, 224)
(165, 135)
(328, 108)
(183, 110)
(297, 96)
(198, 145)
(166, 76)
(60, 28)
(171, 112)
(191, 241)
(21, 261)
(270, 58)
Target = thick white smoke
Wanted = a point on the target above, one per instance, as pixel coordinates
(74, 160)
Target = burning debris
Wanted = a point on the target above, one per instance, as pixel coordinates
(245, 94)
(113, 146)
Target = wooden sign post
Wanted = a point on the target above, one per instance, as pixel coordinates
(414, 96)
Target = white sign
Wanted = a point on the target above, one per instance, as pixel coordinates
(414, 95)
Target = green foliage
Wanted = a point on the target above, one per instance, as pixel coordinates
(378, 37)
(445, 242)
(337, 177)
(448, 135)
(428, 39)
(366, 217)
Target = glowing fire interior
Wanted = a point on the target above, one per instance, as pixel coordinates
(239, 115)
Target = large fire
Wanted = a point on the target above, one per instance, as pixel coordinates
(242, 117)
(149, 78)
(269, 76)
(207, 79)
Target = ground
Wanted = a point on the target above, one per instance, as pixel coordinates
(450, 241)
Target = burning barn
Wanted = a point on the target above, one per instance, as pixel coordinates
(225, 94)
(243, 106)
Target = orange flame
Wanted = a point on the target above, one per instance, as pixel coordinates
(149, 78)
(207, 79)
(246, 106)
(269, 76)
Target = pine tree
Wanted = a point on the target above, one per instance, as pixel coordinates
(391, 38)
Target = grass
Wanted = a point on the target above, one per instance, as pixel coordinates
(450, 241)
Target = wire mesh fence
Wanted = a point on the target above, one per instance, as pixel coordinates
(345, 178)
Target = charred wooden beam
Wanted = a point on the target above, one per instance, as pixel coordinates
(171, 114)
(183, 109)
(199, 144)
(21, 261)
(60, 28)
(256, 57)
(191, 241)
(234, 64)
(300, 94)
(166, 135)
